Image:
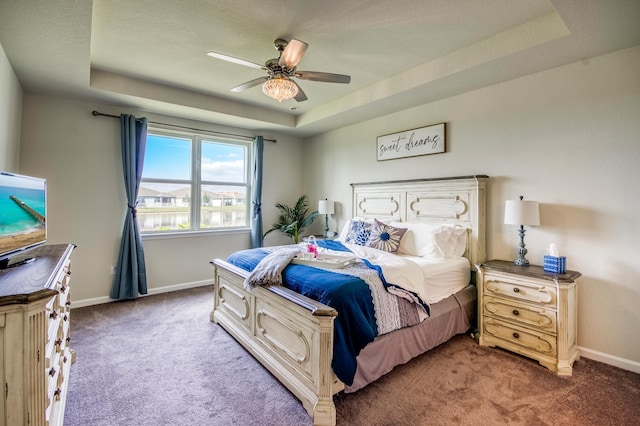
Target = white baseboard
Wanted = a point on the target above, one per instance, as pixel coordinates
(625, 364)
(151, 291)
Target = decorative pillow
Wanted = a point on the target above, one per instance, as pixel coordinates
(344, 232)
(385, 237)
(359, 232)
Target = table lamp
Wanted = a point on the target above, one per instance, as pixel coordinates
(326, 208)
(520, 212)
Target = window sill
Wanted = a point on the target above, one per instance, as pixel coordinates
(189, 234)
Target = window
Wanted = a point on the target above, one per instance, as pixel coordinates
(182, 167)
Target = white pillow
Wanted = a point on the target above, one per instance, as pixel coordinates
(432, 240)
(454, 241)
(419, 240)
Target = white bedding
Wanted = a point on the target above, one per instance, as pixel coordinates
(442, 277)
(432, 279)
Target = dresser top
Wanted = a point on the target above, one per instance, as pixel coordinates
(533, 271)
(35, 280)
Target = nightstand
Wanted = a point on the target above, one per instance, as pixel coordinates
(528, 311)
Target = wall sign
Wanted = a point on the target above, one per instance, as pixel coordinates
(411, 143)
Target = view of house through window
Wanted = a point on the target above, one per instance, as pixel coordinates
(180, 168)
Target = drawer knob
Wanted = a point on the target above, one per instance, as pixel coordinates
(53, 314)
(52, 372)
(516, 335)
(69, 273)
(58, 342)
(515, 312)
(516, 290)
(63, 289)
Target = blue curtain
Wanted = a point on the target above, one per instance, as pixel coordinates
(256, 198)
(131, 273)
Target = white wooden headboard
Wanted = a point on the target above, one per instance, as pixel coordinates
(454, 200)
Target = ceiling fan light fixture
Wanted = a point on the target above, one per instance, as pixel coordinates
(280, 88)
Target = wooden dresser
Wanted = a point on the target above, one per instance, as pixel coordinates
(35, 356)
(528, 311)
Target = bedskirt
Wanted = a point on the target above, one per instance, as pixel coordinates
(454, 315)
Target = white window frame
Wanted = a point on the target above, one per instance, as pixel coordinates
(197, 139)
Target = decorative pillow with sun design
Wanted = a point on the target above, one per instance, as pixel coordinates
(359, 232)
(385, 237)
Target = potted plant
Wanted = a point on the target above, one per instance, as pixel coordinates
(293, 220)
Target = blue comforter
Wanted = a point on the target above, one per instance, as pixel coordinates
(354, 327)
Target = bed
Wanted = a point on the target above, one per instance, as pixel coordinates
(293, 335)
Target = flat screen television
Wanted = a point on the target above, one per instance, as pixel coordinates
(23, 213)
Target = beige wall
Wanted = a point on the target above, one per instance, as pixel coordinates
(80, 156)
(567, 137)
(10, 116)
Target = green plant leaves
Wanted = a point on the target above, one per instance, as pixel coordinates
(293, 220)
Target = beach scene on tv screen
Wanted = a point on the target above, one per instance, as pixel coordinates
(22, 212)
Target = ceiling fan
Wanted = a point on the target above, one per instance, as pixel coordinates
(278, 83)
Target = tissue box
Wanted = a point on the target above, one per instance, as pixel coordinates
(555, 264)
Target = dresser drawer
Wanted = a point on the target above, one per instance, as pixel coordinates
(520, 337)
(62, 279)
(532, 315)
(63, 296)
(53, 374)
(52, 311)
(543, 294)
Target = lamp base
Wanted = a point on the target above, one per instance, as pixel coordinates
(522, 251)
(326, 226)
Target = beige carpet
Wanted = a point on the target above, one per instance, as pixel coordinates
(159, 361)
(461, 383)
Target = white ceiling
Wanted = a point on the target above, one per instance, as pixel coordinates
(151, 54)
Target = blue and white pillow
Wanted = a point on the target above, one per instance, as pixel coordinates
(385, 237)
(358, 232)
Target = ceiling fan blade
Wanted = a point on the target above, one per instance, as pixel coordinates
(235, 60)
(292, 53)
(301, 96)
(323, 76)
(250, 84)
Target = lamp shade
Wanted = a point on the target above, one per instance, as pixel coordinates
(325, 207)
(520, 212)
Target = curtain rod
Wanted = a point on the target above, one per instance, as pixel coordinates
(96, 114)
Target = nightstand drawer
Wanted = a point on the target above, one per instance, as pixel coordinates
(544, 295)
(528, 340)
(531, 315)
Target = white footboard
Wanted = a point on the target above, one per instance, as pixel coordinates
(291, 335)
